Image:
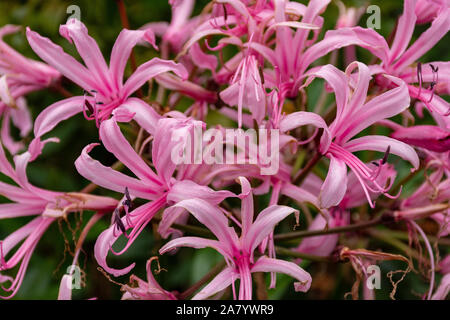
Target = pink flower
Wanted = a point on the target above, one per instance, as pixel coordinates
(47, 206)
(354, 114)
(104, 85)
(159, 186)
(340, 215)
(427, 10)
(435, 190)
(399, 59)
(18, 77)
(429, 137)
(180, 28)
(246, 90)
(238, 251)
(142, 290)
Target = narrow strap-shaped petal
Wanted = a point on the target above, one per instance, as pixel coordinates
(40, 225)
(361, 86)
(195, 242)
(429, 137)
(5, 166)
(213, 218)
(138, 219)
(404, 31)
(264, 225)
(121, 50)
(61, 61)
(301, 118)
(170, 216)
(12, 210)
(300, 194)
(102, 246)
(5, 134)
(247, 209)
(18, 194)
(149, 70)
(320, 245)
(219, 283)
(335, 184)
(439, 27)
(18, 235)
(314, 8)
(187, 189)
(141, 112)
(337, 80)
(201, 59)
(57, 112)
(336, 39)
(174, 138)
(21, 117)
(381, 107)
(109, 178)
(74, 30)
(186, 87)
(381, 143)
(265, 264)
(115, 142)
(21, 162)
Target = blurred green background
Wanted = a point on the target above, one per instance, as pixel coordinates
(55, 170)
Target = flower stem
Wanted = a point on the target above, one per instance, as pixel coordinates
(294, 254)
(311, 163)
(311, 233)
(206, 278)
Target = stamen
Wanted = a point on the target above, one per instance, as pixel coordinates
(435, 80)
(2, 258)
(118, 222)
(419, 77)
(225, 13)
(386, 154)
(89, 106)
(127, 202)
(261, 74)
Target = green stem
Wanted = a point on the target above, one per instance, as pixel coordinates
(294, 254)
(206, 278)
(311, 163)
(396, 243)
(312, 233)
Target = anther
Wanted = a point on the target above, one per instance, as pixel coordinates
(435, 80)
(89, 106)
(225, 13)
(386, 154)
(118, 221)
(419, 77)
(261, 74)
(127, 202)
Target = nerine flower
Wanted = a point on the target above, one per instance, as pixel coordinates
(139, 289)
(401, 60)
(339, 215)
(238, 250)
(104, 86)
(47, 206)
(160, 187)
(354, 114)
(18, 76)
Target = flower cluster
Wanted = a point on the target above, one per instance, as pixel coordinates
(252, 64)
